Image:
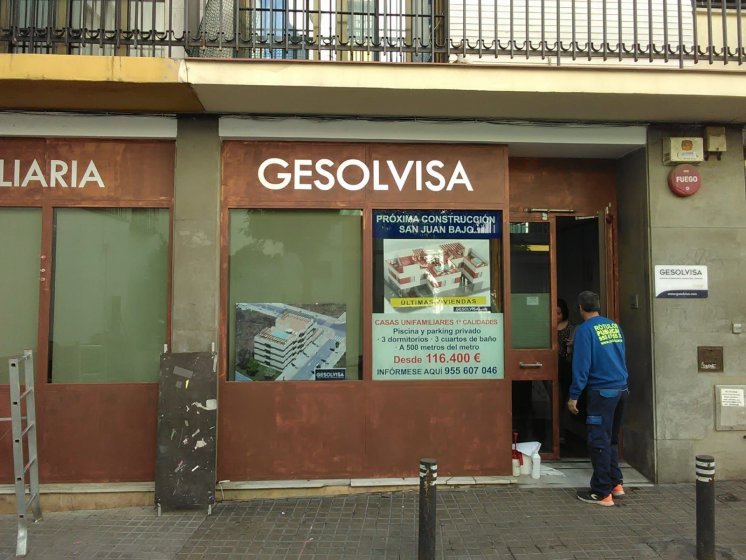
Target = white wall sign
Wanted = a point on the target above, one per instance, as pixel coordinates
(732, 397)
(730, 407)
(680, 281)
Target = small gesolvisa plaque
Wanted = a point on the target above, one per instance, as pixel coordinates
(710, 359)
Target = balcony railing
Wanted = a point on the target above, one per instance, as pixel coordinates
(665, 32)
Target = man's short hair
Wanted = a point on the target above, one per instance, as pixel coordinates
(589, 301)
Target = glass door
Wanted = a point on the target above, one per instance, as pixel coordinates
(533, 363)
(553, 257)
(583, 261)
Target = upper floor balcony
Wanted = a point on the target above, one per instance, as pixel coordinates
(661, 33)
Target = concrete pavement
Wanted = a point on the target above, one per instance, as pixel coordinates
(496, 522)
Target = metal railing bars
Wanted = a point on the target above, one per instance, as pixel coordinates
(619, 45)
(543, 45)
(526, 44)
(724, 21)
(605, 39)
(578, 31)
(739, 32)
(680, 15)
(589, 43)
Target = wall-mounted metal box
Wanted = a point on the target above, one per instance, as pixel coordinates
(686, 149)
(715, 140)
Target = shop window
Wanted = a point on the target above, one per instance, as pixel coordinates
(295, 295)
(20, 243)
(109, 301)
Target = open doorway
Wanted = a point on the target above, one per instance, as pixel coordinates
(552, 257)
(579, 262)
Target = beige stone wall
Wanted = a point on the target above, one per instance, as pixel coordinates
(635, 310)
(708, 228)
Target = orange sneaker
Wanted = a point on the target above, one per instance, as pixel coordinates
(617, 491)
(590, 497)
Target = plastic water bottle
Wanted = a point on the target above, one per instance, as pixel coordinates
(535, 465)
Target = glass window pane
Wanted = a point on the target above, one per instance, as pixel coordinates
(109, 303)
(32, 13)
(530, 283)
(20, 243)
(295, 295)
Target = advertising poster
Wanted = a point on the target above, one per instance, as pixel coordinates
(435, 318)
(281, 342)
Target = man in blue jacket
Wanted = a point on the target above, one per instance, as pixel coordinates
(598, 365)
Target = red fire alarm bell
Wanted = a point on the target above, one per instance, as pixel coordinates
(684, 180)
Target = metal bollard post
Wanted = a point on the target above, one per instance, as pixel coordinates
(428, 495)
(705, 470)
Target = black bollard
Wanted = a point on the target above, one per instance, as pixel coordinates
(705, 470)
(428, 481)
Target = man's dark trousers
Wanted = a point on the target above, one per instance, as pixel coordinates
(605, 412)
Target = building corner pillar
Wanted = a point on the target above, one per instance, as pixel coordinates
(196, 236)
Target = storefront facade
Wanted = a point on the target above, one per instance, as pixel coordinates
(299, 223)
(413, 282)
(314, 229)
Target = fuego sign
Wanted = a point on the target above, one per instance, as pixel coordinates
(354, 175)
(684, 180)
(58, 173)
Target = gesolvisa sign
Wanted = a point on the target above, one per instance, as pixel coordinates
(355, 175)
(684, 180)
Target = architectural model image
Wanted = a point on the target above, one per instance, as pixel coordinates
(447, 269)
(278, 346)
(281, 342)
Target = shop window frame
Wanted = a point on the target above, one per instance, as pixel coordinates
(50, 200)
(52, 288)
(242, 192)
(226, 328)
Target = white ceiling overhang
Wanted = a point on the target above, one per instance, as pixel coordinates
(523, 139)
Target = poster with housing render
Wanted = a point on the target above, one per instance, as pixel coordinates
(282, 342)
(436, 275)
(434, 316)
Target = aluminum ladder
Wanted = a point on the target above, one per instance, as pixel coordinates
(21, 468)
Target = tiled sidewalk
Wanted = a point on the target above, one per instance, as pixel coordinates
(502, 522)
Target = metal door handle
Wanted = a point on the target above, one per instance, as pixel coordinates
(535, 365)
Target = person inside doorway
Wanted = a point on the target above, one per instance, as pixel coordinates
(599, 365)
(565, 332)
